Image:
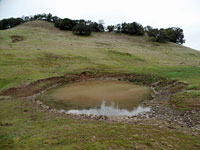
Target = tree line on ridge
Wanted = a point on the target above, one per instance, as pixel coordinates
(86, 27)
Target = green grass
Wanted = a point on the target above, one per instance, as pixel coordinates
(47, 51)
(62, 52)
(28, 128)
(194, 87)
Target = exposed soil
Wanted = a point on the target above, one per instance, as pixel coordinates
(160, 113)
(17, 38)
(25, 90)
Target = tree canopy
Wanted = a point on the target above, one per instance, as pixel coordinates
(110, 28)
(82, 29)
(10, 22)
(174, 34)
(65, 24)
(133, 28)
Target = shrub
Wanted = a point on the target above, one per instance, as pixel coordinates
(82, 29)
(158, 35)
(110, 28)
(130, 28)
(65, 24)
(175, 34)
(152, 32)
(161, 36)
(97, 27)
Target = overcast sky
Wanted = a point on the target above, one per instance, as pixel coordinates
(157, 13)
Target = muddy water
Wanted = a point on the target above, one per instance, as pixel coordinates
(102, 97)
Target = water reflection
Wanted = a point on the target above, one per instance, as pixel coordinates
(111, 110)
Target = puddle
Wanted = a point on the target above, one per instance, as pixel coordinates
(110, 110)
(100, 97)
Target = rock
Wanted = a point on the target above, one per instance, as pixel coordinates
(61, 111)
(38, 102)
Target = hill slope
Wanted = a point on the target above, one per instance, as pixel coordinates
(37, 50)
(47, 51)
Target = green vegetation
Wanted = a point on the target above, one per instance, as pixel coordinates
(132, 28)
(10, 23)
(27, 128)
(110, 28)
(174, 34)
(65, 24)
(85, 27)
(82, 29)
(47, 51)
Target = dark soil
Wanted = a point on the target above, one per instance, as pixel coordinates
(17, 38)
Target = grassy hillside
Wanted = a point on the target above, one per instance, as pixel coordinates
(46, 51)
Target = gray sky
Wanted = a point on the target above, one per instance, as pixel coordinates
(157, 13)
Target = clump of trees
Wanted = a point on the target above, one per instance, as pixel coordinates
(65, 24)
(133, 28)
(10, 23)
(110, 28)
(97, 27)
(173, 34)
(85, 27)
(82, 29)
(73, 25)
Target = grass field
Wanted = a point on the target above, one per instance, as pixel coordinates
(47, 52)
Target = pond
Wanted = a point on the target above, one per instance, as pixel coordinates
(99, 97)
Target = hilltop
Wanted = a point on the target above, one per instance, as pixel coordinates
(37, 50)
